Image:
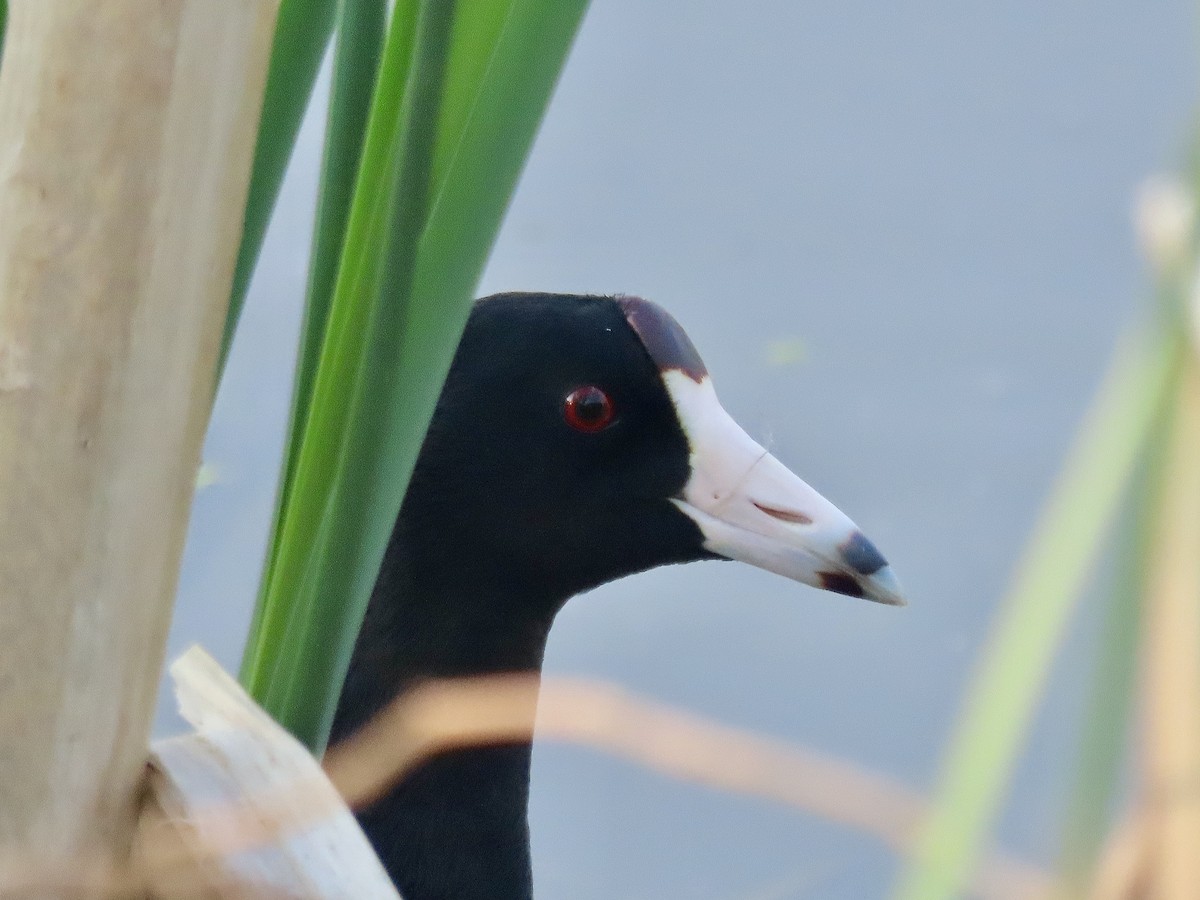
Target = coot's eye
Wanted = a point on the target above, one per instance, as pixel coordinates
(588, 409)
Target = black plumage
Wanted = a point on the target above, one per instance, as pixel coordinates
(556, 461)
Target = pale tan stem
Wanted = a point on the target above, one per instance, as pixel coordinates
(126, 137)
(450, 714)
(1171, 662)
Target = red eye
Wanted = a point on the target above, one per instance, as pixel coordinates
(588, 409)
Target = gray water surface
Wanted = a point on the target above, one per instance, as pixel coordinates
(899, 235)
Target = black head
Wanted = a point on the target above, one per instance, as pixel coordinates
(555, 451)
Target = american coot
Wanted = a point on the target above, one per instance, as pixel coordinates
(577, 439)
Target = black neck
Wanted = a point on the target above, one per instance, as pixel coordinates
(456, 828)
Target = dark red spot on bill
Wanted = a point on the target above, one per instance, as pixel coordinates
(841, 583)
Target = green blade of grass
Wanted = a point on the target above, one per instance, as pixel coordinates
(1168, 240)
(3, 23)
(1104, 736)
(313, 608)
(364, 494)
(316, 439)
(302, 32)
(1002, 696)
(483, 169)
(476, 28)
(358, 45)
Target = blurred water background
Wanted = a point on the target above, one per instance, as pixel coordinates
(899, 235)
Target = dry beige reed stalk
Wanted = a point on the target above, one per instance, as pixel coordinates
(185, 859)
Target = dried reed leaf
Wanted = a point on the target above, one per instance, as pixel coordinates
(240, 809)
(244, 807)
(445, 715)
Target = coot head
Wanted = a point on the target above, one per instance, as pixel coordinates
(578, 439)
